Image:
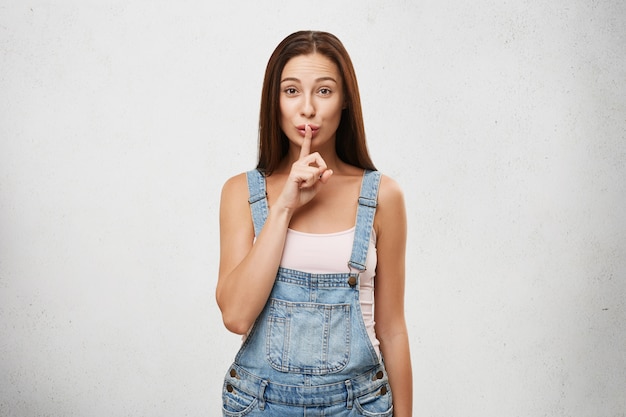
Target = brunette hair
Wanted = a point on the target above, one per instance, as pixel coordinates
(350, 141)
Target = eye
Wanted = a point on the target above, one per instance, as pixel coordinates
(290, 91)
(325, 91)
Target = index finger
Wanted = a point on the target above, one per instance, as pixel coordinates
(305, 149)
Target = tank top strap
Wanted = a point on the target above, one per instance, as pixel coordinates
(257, 199)
(368, 200)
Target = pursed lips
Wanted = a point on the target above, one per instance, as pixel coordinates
(314, 130)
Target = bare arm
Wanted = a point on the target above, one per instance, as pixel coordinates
(247, 271)
(391, 327)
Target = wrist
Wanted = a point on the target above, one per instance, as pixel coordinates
(280, 214)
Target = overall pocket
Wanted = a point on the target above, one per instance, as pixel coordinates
(235, 402)
(308, 338)
(375, 404)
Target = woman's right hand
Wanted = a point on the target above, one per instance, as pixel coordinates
(247, 271)
(306, 177)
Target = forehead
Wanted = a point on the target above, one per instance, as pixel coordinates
(310, 66)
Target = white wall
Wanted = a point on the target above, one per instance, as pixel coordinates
(505, 122)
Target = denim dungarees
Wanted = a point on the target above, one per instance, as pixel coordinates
(308, 353)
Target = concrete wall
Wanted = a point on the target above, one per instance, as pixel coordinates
(505, 123)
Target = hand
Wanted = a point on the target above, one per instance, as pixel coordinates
(306, 177)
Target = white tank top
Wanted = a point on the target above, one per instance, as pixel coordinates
(329, 253)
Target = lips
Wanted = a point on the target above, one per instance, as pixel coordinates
(314, 130)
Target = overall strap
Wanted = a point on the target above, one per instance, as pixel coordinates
(257, 199)
(364, 222)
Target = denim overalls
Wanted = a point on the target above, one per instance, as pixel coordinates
(308, 353)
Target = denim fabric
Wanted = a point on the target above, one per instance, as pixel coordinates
(257, 199)
(308, 353)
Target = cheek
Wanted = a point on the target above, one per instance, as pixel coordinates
(336, 111)
(286, 108)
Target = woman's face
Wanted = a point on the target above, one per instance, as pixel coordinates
(311, 92)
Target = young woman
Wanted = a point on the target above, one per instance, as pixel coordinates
(312, 262)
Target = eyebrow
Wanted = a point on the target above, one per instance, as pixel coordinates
(316, 80)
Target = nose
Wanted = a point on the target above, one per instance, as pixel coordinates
(308, 107)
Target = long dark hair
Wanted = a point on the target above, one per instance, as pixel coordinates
(350, 140)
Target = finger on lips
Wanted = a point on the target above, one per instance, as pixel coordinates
(313, 173)
(305, 149)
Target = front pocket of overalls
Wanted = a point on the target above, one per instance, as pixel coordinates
(375, 404)
(308, 338)
(235, 402)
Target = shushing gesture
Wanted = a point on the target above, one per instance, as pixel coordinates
(306, 177)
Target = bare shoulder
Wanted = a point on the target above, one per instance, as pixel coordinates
(389, 193)
(235, 187)
(234, 198)
(391, 212)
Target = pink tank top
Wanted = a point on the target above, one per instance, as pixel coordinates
(328, 253)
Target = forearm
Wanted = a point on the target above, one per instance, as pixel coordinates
(242, 293)
(398, 364)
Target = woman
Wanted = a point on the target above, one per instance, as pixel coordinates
(297, 272)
